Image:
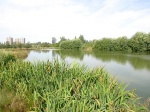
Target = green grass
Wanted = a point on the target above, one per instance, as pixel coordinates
(18, 53)
(61, 87)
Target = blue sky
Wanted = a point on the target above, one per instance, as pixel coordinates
(40, 20)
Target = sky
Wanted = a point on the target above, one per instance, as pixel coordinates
(40, 20)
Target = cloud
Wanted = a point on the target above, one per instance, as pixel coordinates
(39, 20)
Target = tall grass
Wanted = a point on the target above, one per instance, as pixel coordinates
(61, 87)
(18, 53)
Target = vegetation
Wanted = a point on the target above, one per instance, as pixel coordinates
(27, 45)
(18, 53)
(58, 86)
(108, 44)
(71, 44)
(139, 42)
(53, 40)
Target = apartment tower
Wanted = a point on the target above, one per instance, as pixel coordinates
(9, 40)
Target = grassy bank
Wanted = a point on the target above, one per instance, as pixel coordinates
(18, 53)
(60, 87)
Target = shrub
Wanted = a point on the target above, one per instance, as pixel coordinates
(7, 58)
(71, 44)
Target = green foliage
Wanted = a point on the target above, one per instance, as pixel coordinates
(58, 86)
(88, 45)
(147, 42)
(104, 44)
(45, 44)
(53, 40)
(62, 39)
(137, 42)
(6, 59)
(27, 45)
(81, 37)
(71, 44)
(121, 44)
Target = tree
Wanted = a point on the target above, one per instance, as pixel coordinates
(81, 37)
(7, 45)
(62, 39)
(147, 42)
(136, 43)
(20, 45)
(28, 45)
(104, 44)
(53, 40)
(71, 44)
(121, 44)
(45, 44)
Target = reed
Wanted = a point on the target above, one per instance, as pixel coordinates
(18, 53)
(60, 87)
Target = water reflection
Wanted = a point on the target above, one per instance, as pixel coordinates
(41, 51)
(78, 54)
(109, 56)
(137, 61)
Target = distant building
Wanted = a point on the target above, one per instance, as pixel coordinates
(20, 40)
(17, 41)
(9, 40)
(23, 41)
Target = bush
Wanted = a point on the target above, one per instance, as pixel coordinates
(71, 44)
(7, 58)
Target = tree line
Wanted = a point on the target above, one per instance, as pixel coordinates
(139, 42)
(7, 45)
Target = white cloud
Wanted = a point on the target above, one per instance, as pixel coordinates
(39, 20)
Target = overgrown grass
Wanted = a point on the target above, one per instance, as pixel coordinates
(18, 53)
(61, 87)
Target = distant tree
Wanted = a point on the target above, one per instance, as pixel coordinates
(104, 44)
(14, 45)
(1, 45)
(28, 45)
(45, 44)
(136, 43)
(81, 37)
(62, 39)
(121, 44)
(147, 42)
(71, 44)
(7, 45)
(20, 45)
(53, 40)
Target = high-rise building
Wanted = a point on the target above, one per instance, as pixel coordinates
(20, 40)
(17, 41)
(23, 40)
(9, 40)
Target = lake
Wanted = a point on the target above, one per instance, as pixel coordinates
(132, 69)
